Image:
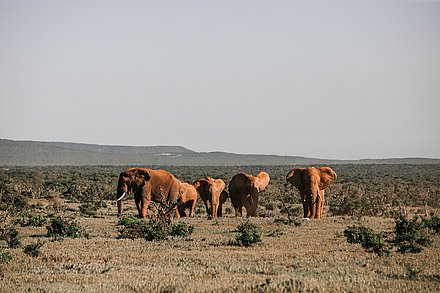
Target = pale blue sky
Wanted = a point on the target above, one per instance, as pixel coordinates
(326, 79)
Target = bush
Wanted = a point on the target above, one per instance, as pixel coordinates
(33, 221)
(411, 235)
(5, 256)
(33, 249)
(90, 208)
(369, 240)
(13, 202)
(11, 236)
(433, 223)
(153, 229)
(247, 235)
(60, 228)
(128, 221)
(181, 230)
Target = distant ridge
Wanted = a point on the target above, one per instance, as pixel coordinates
(37, 153)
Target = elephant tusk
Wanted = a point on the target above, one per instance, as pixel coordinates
(122, 196)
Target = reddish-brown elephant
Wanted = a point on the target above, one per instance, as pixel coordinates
(212, 193)
(188, 199)
(244, 190)
(311, 183)
(147, 185)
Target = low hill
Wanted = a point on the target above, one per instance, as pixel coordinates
(34, 153)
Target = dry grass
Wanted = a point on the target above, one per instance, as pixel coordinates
(312, 257)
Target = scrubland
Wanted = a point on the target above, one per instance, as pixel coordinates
(294, 255)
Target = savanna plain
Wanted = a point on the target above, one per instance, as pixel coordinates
(59, 232)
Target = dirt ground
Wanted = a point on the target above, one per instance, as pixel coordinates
(312, 257)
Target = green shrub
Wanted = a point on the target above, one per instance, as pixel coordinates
(60, 228)
(13, 202)
(33, 249)
(369, 240)
(274, 233)
(33, 221)
(412, 273)
(247, 235)
(432, 223)
(181, 229)
(90, 207)
(131, 230)
(411, 235)
(128, 221)
(11, 236)
(154, 229)
(5, 256)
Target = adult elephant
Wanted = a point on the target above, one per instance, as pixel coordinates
(311, 183)
(212, 193)
(244, 190)
(188, 199)
(147, 185)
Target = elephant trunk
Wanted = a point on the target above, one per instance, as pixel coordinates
(119, 201)
(119, 208)
(312, 206)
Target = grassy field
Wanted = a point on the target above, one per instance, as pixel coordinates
(293, 256)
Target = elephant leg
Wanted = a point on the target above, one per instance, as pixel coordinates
(306, 210)
(320, 204)
(137, 201)
(208, 208)
(254, 206)
(312, 208)
(220, 210)
(181, 210)
(145, 203)
(192, 209)
(214, 210)
(248, 208)
(176, 213)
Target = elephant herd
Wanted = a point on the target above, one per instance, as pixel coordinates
(161, 186)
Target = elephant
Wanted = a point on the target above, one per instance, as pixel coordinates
(311, 183)
(147, 185)
(244, 190)
(212, 193)
(188, 199)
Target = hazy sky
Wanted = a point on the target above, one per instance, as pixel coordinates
(327, 79)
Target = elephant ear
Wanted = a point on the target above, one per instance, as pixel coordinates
(295, 177)
(328, 176)
(220, 184)
(142, 176)
(196, 184)
(201, 185)
(264, 180)
(182, 188)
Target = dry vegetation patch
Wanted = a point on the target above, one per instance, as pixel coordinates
(293, 255)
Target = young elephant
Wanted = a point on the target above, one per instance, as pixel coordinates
(311, 183)
(188, 199)
(212, 193)
(147, 185)
(244, 190)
